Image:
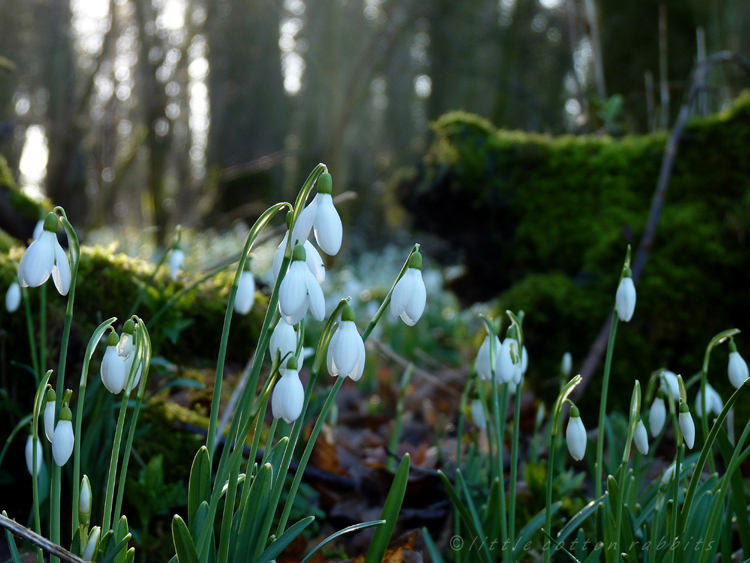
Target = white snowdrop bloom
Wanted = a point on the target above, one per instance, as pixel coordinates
(687, 426)
(714, 404)
(484, 366)
(524, 362)
(283, 343)
(346, 351)
(670, 382)
(657, 415)
(288, 395)
(321, 215)
(409, 295)
(176, 260)
(13, 297)
(737, 369)
(125, 346)
(312, 259)
(669, 474)
(30, 455)
(136, 377)
(625, 297)
(38, 229)
(62, 441)
(299, 291)
(567, 364)
(575, 435)
(477, 414)
(49, 414)
(88, 553)
(641, 437)
(84, 501)
(509, 370)
(113, 366)
(45, 257)
(245, 297)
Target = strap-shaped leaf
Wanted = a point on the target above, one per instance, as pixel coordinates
(348, 530)
(121, 533)
(429, 544)
(183, 541)
(14, 555)
(465, 515)
(739, 505)
(199, 488)
(251, 522)
(391, 509)
(198, 521)
(280, 543)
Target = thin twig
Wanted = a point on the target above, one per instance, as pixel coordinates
(697, 80)
(37, 540)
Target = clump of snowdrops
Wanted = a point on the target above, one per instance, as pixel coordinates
(227, 489)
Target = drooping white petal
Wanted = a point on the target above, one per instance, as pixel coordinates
(333, 345)
(305, 221)
(625, 299)
(62, 442)
(88, 553)
(13, 297)
(670, 378)
(49, 419)
(669, 473)
(245, 297)
(576, 438)
(524, 361)
(362, 357)
(38, 261)
(314, 262)
(657, 416)
(293, 300)
(137, 376)
(484, 366)
(328, 228)
(283, 342)
(402, 293)
(288, 397)
(714, 404)
(113, 370)
(61, 270)
(316, 300)
(737, 370)
(125, 346)
(417, 300)
(477, 414)
(38, 229)
(641, 438)
(30, 453)
(688, 428)
(506, 368)
(346, 350)
(175, 261)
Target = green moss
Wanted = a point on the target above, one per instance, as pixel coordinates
(543, 222)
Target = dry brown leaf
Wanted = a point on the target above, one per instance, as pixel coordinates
(395, 551)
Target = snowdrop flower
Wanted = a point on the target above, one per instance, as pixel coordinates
(658, 414)
(669, 381)
(49, 413)
(484, 365)
(410, 296)
(509, 362)
(113, 366)
(289, 394)
(346, 352)
(687, 426)
(625, 298)
(84, 501)
(312, 259)
(567, 364)
(737, 370)
(669, 474)
(477, 414)
(138, 373)
(62, 441)
(125, 346)
(30, 455)
(524, 362)
(713, 402)
(283, 343)
(323, 217)
(88, 553)
(45, 257)
(300, 290)
(38, 229)
(176, 260)
(245, 296)
(13, 297)
(641, 437)
(576, 435)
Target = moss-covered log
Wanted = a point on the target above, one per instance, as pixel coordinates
(543, 223)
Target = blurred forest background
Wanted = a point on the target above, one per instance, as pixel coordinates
(141, 115)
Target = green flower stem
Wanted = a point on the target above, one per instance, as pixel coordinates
(43, 329)
(257, 227)
(398, 423)
(514, 469)
(145, 356)
(32, 340)
(499, 416)
(461, 417)
(674, 533)
(75, 258)
(603, 407)
(93, 342)
(147, 284)
(635, 405)
(40, 392)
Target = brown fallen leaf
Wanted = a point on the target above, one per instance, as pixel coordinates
(395, 551)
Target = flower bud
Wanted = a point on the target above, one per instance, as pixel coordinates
(737, 370)
(576, 435)
(714, 403)
(640, 437)
(88, 553)
(567, 364)
(669, 474)
(687, 426)
(49, 413)
(484, 366)
(346, 351)
(62, 440)
(625, 298)
(30, 455)
(658, 414)
(477, 414)
(245, 296)
(409, 294)
(13, 297)
(289, 394)
(176, 260)
(84, 501)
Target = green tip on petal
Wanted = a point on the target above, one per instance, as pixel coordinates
(574, 413)
(129, 327)
(512, 333)
(176, 246)
(51, 395)
(348, 313)
(50, 223)
(627, 273)
(299, 253)
(292, 363)
(732, 346)
(325, 184)
(65, 413)
(684, 407)
(246, 268)
(112, 339)
(415, 261)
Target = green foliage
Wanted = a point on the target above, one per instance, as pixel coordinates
(542, 223)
